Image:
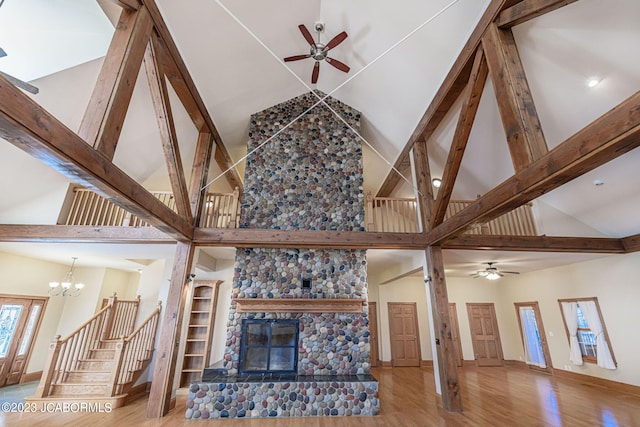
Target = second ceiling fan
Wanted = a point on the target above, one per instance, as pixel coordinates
(318, 51)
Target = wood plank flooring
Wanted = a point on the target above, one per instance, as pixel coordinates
(504, 396)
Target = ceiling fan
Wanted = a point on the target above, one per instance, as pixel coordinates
(491, 272)
(318, 51)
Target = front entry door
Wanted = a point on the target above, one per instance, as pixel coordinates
(536, 350)
(19, 318)
(484, 334)
(403, 325)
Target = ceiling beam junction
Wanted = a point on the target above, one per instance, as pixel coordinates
(527, 10)
(31, 128)
(608, 137)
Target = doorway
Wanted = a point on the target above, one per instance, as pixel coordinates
(455, 333)
(534, 340)
(373, 334)
(19, 322)
(485, 337)
(403, 327)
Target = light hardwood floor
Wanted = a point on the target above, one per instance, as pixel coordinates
(490, 397)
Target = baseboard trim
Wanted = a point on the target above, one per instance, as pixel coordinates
(516, 364)
(172, 403)
(31, 376)
(386, 364)
(426, 364)
(613, 386)
(469, 363)
(138, 391)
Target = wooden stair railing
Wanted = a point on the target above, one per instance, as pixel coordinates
(133, 354)
(89, 362)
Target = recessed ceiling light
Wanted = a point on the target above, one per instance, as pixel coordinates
(598, 182)
(437, 182)
(593, 81)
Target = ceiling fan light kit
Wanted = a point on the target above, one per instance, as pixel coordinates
(491, 272)
(318, 51)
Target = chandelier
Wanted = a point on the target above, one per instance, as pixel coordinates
(67, 287)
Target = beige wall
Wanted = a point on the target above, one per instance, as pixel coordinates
(612, 279)
(124, 284)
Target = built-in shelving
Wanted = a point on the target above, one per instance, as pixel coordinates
(200, 323)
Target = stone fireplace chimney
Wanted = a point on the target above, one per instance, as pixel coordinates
(307, 177)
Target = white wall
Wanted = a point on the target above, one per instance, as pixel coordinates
(124, 284)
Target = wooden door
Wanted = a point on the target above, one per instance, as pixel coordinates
(484, 334)
(19, 321)
(373, 334)
(455, 332)
(403, 327)
(539, 331)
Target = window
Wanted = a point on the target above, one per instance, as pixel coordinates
(587, 333)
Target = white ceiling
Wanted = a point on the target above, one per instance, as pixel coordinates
(233, 57)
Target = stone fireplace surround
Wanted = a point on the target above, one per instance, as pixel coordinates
(309, 178)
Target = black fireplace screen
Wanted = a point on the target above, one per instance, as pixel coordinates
(269, 346)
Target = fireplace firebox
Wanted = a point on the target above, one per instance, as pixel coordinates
(269, 346)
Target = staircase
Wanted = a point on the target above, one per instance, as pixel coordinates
(101, 360)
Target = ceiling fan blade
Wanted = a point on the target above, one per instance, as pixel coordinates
(307, 35)
(296, 58)
(339, 65)
(2, 53)
(336, 40)
(509, 272)
(19, 83)
(316, 71)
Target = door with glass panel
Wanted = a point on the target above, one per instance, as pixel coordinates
(536, 350)
(19, 320)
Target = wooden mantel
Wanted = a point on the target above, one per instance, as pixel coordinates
(299, 305)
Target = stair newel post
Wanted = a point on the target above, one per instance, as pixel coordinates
(108, 318)
(118, 354)
(369, 218)
(134, 315)
(234, 208)
(49, 368)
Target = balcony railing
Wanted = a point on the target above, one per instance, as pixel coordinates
(221, 210)
(400, 215)
(88, 208)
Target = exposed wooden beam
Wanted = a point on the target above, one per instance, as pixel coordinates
(451, 88)
(470, 103)
(445, 348)
(128, 4)
(199, 175)
(515, 103)
(631, 243)
(527, 10)
(82, 234)
(422, 173)
(31, 128)
(162, 385)
(255, 238)
(168, 136)
(107, 108)
(403, 275)
(537, 244)
(181, 81)
(606, 138)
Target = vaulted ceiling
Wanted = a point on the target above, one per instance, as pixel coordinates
(232, 50)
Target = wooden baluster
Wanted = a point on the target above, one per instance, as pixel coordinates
(49, 368)
(234, 208)
(369, 216)
(108, 318)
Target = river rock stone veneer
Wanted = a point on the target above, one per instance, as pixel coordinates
(307, 177)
